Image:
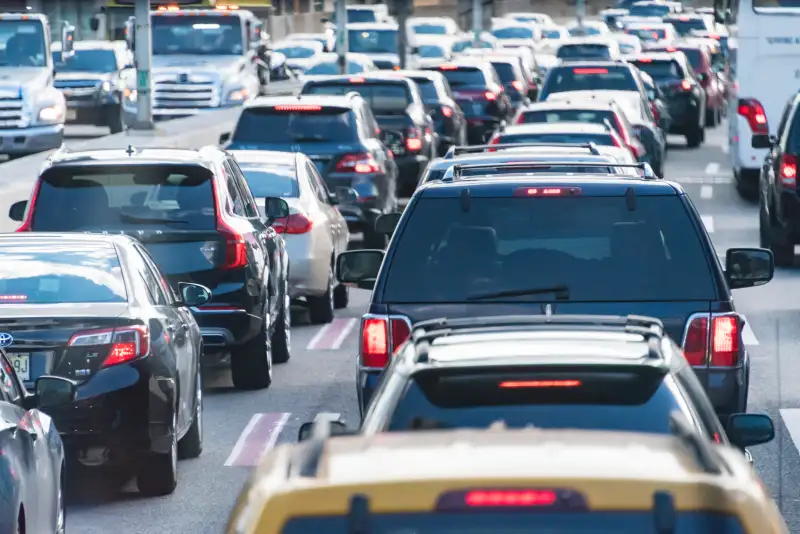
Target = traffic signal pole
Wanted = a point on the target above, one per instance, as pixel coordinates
(143, 56)
(342, 44)
(477, 21)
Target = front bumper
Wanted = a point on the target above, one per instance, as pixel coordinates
(92, 109)
(23, 141)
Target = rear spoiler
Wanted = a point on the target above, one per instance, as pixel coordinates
(474, 149)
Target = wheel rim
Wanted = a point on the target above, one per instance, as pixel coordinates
(287, 316)
(330, 289)
(60, 518)
(173, 449)
(199, 405)
(268, 343)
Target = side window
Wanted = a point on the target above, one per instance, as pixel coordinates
(250, 208)
(319, 192)
(689, 411)
(235, 198)
(155, 285)
(323, 187)
(9, 387)
(787, 111)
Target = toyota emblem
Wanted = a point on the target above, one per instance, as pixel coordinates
(6, 339)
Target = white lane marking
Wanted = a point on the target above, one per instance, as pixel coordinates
(725, 149)
(332, 335)
(706, 191)
(708, 222)
(344, 333)
(276, 432)
(712, 168)
(748, 336)
(791, 418)
(237, 448)
(258, 437)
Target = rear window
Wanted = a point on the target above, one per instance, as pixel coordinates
(648, 34)
(595, 246)
(695, 57)
(661, 70)
(577, 137)
(273, 125)
(522, 523)
(569, 115)
(428, 89)
(551, 34)
(39, 274)
(685, 27)
(506, 72)
(332, 68)
(361, 15)
(270, 181)
(465, 77)
(588, 79)
(583, 51)
(383, 98)
(649, 10)
(513, 33)
(431, 51)
(125, 197)
(430, 29)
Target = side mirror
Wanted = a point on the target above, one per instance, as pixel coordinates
(359, 268)
(224, 138)
(386, 223)
(748, 429)
(748, 267)
(761, 141)
(193, 294)
(275, 208)
(52, 391)
(346, 195)
(94, 24)
(17, 210)
(130, 33)
(337, 428)
(67, 41)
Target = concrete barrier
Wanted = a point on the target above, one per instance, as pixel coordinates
(17, 176)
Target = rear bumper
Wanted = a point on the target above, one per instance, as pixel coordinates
(222, 330)
(21, 141)
(366, 384)
(726, 387)
(686, 115)
(410, 167)
(310, 266)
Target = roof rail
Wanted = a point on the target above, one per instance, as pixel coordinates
(458, 169)
(699, 445)
(458, 150)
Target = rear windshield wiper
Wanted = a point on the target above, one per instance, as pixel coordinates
(154, 220)
(561, 292)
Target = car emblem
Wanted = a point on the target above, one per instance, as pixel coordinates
(6, 339)
(183, 78)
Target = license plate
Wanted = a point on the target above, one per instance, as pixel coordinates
(72, 114)
(21, 364)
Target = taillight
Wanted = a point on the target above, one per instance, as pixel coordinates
(520, 119)
(235, 248)
(358, 163)
(788, 170)
(752, 110)
(413, 140)
(517, 85)
(380, 338)
(295, 223)
(26, 224)
(488, 95)
(125, 344)
(686, 85)
(718, 346)
(447, 112)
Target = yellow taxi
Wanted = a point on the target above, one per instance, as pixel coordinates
(499, 481)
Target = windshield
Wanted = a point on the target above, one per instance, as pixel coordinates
(372, 41)
(583, 51)
(117, 198)
(383, 98)
(270, 181)
(629, 48)
(22, 44)
(100, 61)
(595, 116)
(648, 34)
(653, 253)
(513, 33)
(296, 51)
(564, 79)
(464, 77)
(361, 15)
(53, 274)
(200, 34)
(431, 51)
(332, 68)
(685, 27)
(430, 29)
(265, 126)
(649, 10)
(661, 70)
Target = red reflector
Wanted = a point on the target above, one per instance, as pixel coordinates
(671, 49)
(546, 191)
(447, 67)
(696, 342)
(517, 85)
(298, 107)
(645, 60)
(590, 71)
(357, 79)
(510, 498)
(524, 384)
(725, 341)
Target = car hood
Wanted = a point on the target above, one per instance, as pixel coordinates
(78, 75)
(206, 66)
(14, 80)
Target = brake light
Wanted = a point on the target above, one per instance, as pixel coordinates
(298, 107)
(590, 71)
(552, 498)
(380, 338)
(788, 170)
(684, 19)
(447, 67)
(645, 60)
(235, 248)
(517, 85)
(413, 140)
(717, 347)
(546, 191)
(686, 85)
(510, 498)
(488, 95)
(671, 49)
(447, 112)
(357, 79)
(295, 223)
(752, 110)
(26, 224)
(524, 384)
(126, 343)
(362, 163)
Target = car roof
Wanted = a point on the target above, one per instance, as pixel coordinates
(143, 156)
(363, 77)
(297, 42)
(648, 25)
(607, 63)
(343, 101)
(66, 238)
(268, 157)
(371, 25)
(427, 74)
(522, 155)
(579, 102)
(555, 127)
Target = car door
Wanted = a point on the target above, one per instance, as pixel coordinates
(334, 220)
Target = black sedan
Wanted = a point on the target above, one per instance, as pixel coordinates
(96, 310)
(31, 453)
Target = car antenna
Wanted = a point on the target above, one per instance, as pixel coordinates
(630, 199)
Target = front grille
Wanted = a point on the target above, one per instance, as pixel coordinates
(11, 115)
(185, 95)
(78, 90)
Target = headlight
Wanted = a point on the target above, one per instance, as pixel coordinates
(106, 87)
(238, 95)
(51, 114)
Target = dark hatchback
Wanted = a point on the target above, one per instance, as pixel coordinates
(95, 309)
(480, 94)
(397, 105)
(195, 215)
(341, 136)
(563, 245)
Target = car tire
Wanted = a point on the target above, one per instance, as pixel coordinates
(158, 472)
(781, 245)
(251, 363)
(320, 309)
(341, 297)
(115, 123)
(695, 138)
(191, 445)
(282, 335)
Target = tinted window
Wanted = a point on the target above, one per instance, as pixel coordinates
(260, 126)
(465, 77)
(551, 34)
(506, 72)
(124, 197)
(464, 45)
(577, 137)
(649, 10)
(628, 48)
(695, 57)
(22, 44)
(661, 70)
(583, 51)
(430, 29)
(569, 115)
(685, 27)
(506, 523)
(296, 51)
(270, 181)
(372, 41)
(428, 89)
(582, 31)
(361, 15)
(594, 245)
(332, 68)
(513, 33)
(197, 35)
(648, 34)
(589, 79)
(431, 51)
(382, 97)
(53, 274)
(87, 61)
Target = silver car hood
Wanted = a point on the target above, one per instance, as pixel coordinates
(14, 81)
(215, 67)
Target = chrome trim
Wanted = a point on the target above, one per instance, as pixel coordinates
(362, 368)
(214, 334)
(201, 310)
(710, 316)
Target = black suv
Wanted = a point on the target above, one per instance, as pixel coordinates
(195, 215)
(532, 370)
(405, 126)
(480, 94)
(779, 203)
(556, 244)
(448, 118)
(685, 96)
(340, 135)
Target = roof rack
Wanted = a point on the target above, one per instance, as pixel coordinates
(458, 169)
(699, 445)
(473, 149)
(651, 329)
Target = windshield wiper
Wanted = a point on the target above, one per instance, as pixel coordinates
(154, 220)
(561, 292)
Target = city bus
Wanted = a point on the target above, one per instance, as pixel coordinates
(767, 70)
